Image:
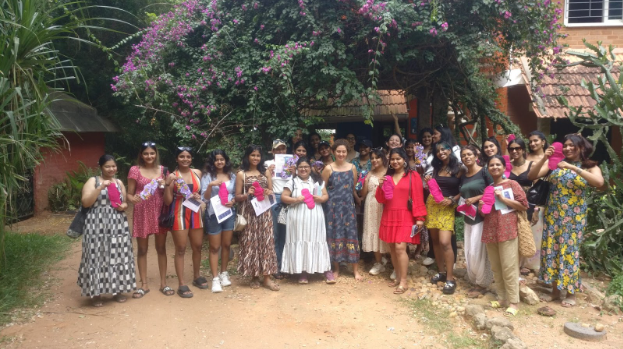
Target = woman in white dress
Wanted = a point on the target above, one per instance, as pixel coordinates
(306, 250)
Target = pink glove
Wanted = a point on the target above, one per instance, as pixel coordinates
(309, 199)
(435, 191)
(488, 199)
(468, 209)
(223, 194)
(388, 188)
(556, 157)
(259, 191)
(114, 195)
(509, 166)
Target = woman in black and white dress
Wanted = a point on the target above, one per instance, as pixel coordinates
(107, 264)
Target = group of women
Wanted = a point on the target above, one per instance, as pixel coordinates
(409, 194)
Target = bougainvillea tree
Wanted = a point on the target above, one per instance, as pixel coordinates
(219, 67)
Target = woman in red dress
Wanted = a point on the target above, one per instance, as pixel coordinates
(397, 222)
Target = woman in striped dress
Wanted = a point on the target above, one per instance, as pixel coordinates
(181, 185)
(306, 250)
(107, 264)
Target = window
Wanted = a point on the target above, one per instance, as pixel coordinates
(593, 12)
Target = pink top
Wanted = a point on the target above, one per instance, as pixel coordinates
(500, 227)
(146, 212)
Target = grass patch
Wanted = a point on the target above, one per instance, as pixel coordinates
(27, 256)
(232, 266)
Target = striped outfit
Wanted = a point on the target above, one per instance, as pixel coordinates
(185, 218)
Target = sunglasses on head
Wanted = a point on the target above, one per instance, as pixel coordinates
(188, 149)
(277, 141)
(149, 144)
(256, 146)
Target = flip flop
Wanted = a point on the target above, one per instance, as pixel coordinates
(201, 283)
(139, 293)
(303, 280)
(400, 290)
(568, 303)
(511, 311)
(495, 304)
(184, 292)
(167, 291)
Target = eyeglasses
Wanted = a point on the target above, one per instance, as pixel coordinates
(514, 149)
(304, 167)
(149, 144)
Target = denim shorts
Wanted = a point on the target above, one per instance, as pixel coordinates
(213, 227)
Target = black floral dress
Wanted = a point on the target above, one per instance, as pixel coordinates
(342, 218)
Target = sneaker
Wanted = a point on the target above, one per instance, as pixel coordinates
(393, 276)
(377, 268)
(216, 285)
(428, 261)
(224, 277)
(384, 260)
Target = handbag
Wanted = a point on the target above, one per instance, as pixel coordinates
(76, 228)
(283, 214)
(527, 247)
(538, 193)
(167, 216)
(241, 222)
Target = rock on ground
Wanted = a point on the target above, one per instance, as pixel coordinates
(527, 295)
(578, 331)
(613, 303)
(513, 343)
(499, 321)
(480, 321)
(473, 310)
(501, 334)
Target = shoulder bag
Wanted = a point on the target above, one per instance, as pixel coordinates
(167, 216)
(241, 222)
(283, 214)
(538, 192)
(76, 228)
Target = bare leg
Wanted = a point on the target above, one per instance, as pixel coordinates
(142, 244)
(392, 253)
(378, 257)
(439, 255)
(225, 246)
(215, 245)
(358, 276)
(447, 254)
(336, 269)
(270, 284)
(161, 249)
(196, 242)
(180, 238)
(402, 263)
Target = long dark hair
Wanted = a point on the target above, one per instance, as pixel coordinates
(585, 147)
(144, 146)
(315, 176)
(298, 145)
(446, 136)
(209, 167)
(380, 153)
(403, 154)
(540, 135)
(520, 142)
(493, 140)
(453, 165)
(245, 159)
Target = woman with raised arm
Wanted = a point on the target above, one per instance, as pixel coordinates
(373, 211)
(147, 206)
(565, 215)
(538, 144)
(500, 235)
(216, 173)
(340, 213)
(107, 262)
(306, 250)
(404, 213)
(257, 245)
(181, 185)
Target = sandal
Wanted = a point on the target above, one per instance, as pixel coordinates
(568, 303)
(184, 292)
(303, 279)
(201, 283)
(119, 298)
(97, 302)
(449, 287)
(330, 277)
(438, 277)
(140, 293)
(393, 283)
(400, 290)
(511, 311)
(255, 283)
(167, 291)
(271, 286)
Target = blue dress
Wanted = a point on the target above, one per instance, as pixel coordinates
(341, 218)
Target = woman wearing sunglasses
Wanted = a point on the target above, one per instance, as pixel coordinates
(147, 207)
(185, 184)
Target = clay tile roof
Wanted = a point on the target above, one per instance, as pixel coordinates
(392, 101)
(571, 78)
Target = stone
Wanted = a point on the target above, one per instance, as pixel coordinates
(473, 310)
(527, 295)
(594, 295)
(613, 303)
(513, 343)
(501, 334)
(452, 314)
(599, 328)
(546, 311)
(576, 330)
(499, 321)
(460, 272)
(422, 270)
(460, 310)
(480, 321)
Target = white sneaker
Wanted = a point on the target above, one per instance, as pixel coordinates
(428, 261)
(377, 268)
(393, 276)
(384, 260)
(216, 285)
(224, 277)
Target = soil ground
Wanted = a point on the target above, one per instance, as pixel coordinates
(349, 314)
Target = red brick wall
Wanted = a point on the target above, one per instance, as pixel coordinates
(85, 147)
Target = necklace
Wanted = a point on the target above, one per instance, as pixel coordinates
(445, 169)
